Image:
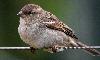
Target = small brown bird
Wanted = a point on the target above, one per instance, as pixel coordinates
(41, 29)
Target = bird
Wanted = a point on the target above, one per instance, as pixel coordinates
(41, 29)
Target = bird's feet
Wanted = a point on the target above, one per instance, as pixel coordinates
(54, 49)
(57, 48)
(33, 50)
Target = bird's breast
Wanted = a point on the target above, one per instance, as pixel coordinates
(28, 33)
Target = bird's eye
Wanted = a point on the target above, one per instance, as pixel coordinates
(30, 12)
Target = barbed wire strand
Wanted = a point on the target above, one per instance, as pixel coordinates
(28, 48)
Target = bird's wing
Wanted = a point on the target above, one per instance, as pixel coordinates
(53, 23)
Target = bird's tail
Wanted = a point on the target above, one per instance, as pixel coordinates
(91, 51)
(76, 43)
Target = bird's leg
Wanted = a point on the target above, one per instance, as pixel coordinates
(33, 49)
(57, 48)
(54, 49)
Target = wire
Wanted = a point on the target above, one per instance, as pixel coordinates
(15, 48)
(28, 48)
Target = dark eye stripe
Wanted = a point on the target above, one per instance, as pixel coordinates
(29, 12)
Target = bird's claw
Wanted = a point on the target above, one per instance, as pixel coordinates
(32, 49)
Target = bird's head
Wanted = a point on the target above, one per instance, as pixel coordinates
(30, 10)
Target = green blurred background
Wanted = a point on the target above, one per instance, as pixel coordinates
(82, 15)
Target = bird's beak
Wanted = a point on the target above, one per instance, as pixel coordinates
(19, 13)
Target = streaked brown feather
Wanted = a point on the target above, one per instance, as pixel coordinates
(60, 26)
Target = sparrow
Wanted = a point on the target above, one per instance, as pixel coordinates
(41, 29)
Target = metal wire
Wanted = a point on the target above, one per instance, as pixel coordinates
(88, 47)
(28, 48)
(15, 48)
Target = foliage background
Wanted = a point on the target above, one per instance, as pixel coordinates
(82, 15)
